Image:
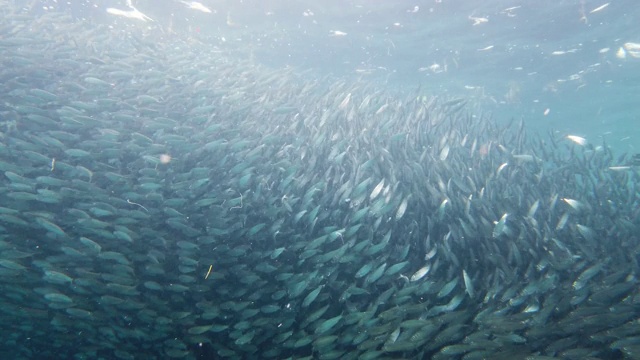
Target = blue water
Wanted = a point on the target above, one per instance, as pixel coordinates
(498, 53)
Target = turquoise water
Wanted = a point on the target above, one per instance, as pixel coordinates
(500, 53)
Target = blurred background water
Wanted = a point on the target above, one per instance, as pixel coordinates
(558, 65)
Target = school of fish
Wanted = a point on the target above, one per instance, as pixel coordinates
(161, 198)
